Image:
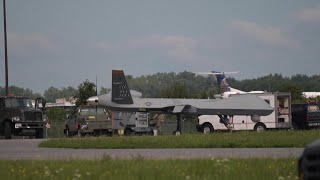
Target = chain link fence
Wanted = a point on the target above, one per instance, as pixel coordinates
(56, 129)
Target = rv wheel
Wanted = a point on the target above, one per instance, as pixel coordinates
(260, 127)
(207, 128)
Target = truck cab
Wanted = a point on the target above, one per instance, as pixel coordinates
(18, 117)
(305, 116)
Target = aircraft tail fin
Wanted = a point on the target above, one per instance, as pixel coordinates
(222, 81)
(120, 90)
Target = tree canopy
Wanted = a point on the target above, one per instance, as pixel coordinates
(185, 85)
(54, 93)
(20, 92)
(85, 90)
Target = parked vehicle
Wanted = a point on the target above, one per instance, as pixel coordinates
(305, 116)
(279, 119)
(133, 122)
(18, 117)
(88, 120)
(129, 123)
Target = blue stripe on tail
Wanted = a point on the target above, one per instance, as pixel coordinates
(222, 82)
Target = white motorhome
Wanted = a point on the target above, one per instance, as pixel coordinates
(279, 119)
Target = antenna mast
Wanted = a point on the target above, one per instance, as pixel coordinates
(5, 45)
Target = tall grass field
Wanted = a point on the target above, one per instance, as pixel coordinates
(216, 140)
(139, 168)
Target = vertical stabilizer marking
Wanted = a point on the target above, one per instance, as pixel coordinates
(120, 90)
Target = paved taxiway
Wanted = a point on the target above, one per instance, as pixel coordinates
(28, 149)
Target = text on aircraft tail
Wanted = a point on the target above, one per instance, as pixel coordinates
(120, 90)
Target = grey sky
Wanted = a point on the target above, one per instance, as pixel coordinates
(61, 43)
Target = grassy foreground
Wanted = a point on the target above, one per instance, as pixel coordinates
(138, 168)
(216, 140)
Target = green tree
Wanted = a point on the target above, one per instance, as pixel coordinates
(296, 91)
(56, 114)
(20, 92)
(68, 92)
(85, 90)
(104, 90)
(159, 85)
(178, 90)
(52, 94)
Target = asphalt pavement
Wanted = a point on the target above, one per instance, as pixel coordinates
(16, 149)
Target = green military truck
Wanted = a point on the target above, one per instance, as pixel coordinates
(88, 120)
(18, 117)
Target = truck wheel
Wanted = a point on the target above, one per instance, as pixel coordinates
(7, 130)
(39, 133)
(295, 126)
(67, 132)
(151, 133)
(80, 135)
(128, 131)
(176, 133)
(260, 127)
(207, 128)
(96, 133)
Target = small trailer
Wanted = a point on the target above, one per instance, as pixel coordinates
(132, 123)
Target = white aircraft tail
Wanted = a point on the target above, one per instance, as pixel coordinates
(225, 88)
(222, 81)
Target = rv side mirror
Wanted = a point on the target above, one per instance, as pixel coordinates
(37, 103)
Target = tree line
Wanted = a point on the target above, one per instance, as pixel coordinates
(175, 85)
(190, 85)
(182, 85)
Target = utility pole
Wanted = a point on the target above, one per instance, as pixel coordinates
(5, 45)
(96, 85)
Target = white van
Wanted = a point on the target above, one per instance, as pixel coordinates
(280, 118)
